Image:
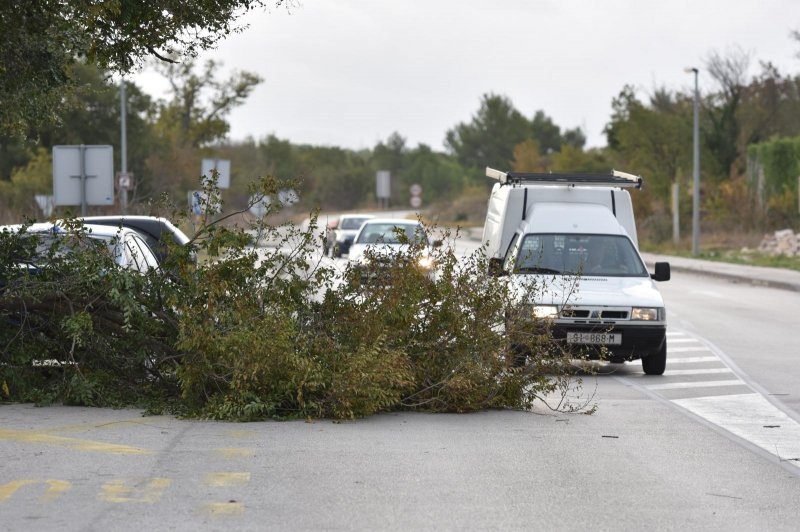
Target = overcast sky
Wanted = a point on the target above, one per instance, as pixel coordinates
(350, 72)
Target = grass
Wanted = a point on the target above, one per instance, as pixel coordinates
(723, 253)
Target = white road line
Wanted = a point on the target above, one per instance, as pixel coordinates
(673, 334)
(752, 418)
(699, 384)
(685, 349)
(698, 371)
(684, 341)
(691, 360)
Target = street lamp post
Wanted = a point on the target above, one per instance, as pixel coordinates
(696, 171)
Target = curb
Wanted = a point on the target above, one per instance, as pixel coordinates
(753, 275)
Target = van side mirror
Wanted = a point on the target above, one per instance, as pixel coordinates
(496, 268)
(662, 272)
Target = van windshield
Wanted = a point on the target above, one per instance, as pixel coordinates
(578, 254)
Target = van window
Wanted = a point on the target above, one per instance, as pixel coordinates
(579, 254)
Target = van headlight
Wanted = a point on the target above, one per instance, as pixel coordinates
(545, 311)
(647, 313)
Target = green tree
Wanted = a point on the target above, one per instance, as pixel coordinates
(489, 138)
(196, 113)
(41, 40)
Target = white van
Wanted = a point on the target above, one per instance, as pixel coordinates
(573, 237)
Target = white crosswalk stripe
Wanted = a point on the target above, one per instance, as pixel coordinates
(709, 371)
(685, 349)
(691, 360)
(697, 384)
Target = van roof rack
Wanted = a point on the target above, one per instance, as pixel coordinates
(615, 178)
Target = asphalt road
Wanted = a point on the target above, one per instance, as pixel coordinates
(707, 446)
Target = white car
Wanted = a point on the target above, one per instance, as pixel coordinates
(126, 246)
(379, 239)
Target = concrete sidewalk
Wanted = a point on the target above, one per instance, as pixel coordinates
(756, 275)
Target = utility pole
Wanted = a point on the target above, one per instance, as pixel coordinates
(696, 165)
(123, 188)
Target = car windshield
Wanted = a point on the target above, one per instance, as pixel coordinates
(579, 254)
(389, 233)
(352, 223)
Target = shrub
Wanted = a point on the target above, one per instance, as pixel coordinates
(276, 332)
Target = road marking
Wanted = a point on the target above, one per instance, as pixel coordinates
(684, 341)
(243, 433)
(709, 371)
(123, 490)
(55, 488)
(222, 509)
(236, 452)
(30, 436)
(685, 349)
(752, 418)
(691, 360)
(227, 478)
(702, 384)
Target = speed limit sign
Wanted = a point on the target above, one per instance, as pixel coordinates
(415, 189)
(416, 201)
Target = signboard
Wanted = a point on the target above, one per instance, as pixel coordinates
(223, 168)
(383, 188)
(259, 208)
(198, 202)
(46, 203)
(83, 175)
(416, 195)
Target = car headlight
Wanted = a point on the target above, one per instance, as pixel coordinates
(545, 311)
(426, 263)
(646, 314)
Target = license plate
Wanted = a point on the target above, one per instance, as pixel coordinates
(591, 338)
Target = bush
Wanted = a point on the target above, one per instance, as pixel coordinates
(254, 333)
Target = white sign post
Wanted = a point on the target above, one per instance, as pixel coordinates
(73, 166)
(223, 168)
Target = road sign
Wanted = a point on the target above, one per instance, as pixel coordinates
(383, 188)
(124, 180)
(46, 203)
(223, 168)
(259, 208)
(199, 203)
(416, 202)
(83, 175)
(415, 189)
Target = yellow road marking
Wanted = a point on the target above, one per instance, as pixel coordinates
(220, 509)
(29, 436)
(55, 488)
(227, 478)
(118, 491)
(236, 452)
(243, 433)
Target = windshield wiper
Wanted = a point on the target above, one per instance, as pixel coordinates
(536, 269)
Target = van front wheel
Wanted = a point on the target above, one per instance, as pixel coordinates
(656, 363)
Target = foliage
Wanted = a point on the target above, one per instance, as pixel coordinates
(776, 165)
(42, 40)
(195, 115)
(251, 333)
